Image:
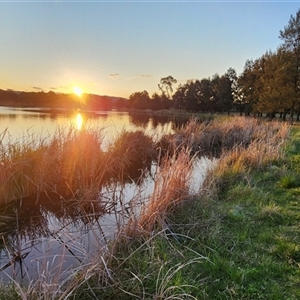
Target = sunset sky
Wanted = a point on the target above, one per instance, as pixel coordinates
(119, 47)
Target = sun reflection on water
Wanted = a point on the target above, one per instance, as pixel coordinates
(79, 121)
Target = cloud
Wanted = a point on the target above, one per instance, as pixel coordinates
(143, 76)
(53, 88)
(37, 88)
(114, 75)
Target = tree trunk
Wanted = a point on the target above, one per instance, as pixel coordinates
(284, 116)
(291, 116)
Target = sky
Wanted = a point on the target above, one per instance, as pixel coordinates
(117, 48)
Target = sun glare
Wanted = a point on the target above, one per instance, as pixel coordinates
(77, 91)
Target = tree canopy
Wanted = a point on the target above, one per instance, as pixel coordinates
(268, 85)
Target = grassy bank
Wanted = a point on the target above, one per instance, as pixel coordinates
(237, 239)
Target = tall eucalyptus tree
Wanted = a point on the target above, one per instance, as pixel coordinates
(166, 85)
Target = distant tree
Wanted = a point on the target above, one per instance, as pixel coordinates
(232, 76)
(195, 95)
(188, 96)
(179, 97)
(139, 100)
(165, 85)
(248, 86)
(266, 84)
(222, 93)
(9, 98)
(276, 88)
(155, 102)
(121, 103)
(206, 96)
(166, 102)
(291, 43)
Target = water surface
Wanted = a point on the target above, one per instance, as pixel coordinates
(49, 238)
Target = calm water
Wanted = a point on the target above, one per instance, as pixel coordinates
(41, 124)
(50, 239)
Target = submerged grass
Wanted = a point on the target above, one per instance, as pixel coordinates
(237, 239)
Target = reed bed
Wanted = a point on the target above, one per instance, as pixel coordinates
(63, 165)
(268, 140)
(223, 134)
(73, 167)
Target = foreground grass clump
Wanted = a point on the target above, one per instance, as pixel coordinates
(171, 187)
(63, 165)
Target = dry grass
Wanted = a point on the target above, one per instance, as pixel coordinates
(130, 154)
(64, 165)
(267, 144)
(219, 135)
(171, 187)
(71, 165)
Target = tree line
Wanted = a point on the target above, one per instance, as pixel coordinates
(54, 100)
(268, 85)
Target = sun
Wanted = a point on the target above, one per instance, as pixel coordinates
(77, 91)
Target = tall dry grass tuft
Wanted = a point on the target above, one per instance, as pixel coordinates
(23, 168)
(80, 165)
(171, 187)
(267, 144)
(130, 154)
(69, 165)
(210, 138)
(220, 134)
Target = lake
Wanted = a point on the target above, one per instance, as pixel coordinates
(32, 121)
(48, 240)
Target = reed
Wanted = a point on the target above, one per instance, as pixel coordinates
(221, 135)
(267, 144)
(130, 154)
(64, 165)
(71, 164)
(171, 187)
